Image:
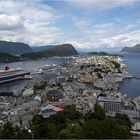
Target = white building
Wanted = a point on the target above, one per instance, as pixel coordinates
(136, 126)
(110, 104)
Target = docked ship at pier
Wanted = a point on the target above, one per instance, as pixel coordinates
(9, 74)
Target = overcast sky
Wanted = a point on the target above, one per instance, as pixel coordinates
(84, 23)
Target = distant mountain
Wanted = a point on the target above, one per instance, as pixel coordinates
(93, 53)
(58, 50)
(5, 57)
(42, 48)
(104, 54)
(98, 53)
(135, 49)
(14, 48)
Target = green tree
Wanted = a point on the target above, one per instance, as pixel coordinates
(99, 112)
(123, 119)
(99, 75)
(104, 129)
(7, 132)
(21, 133)
(117, 65)
(72, 131)
(43, 128)
(71, 112)
(41, 85)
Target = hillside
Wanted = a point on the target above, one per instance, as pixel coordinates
(59, 50)
(5, 57)
(14, 48)
(135, 49)
(42, 48)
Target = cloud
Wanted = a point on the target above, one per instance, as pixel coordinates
(29, 22)
(37, 23)
(108, 35)
(129, 39)
(10, 22)
(101, 4)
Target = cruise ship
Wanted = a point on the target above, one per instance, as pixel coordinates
(9, 74)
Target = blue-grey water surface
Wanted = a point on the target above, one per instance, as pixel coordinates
(132, 87)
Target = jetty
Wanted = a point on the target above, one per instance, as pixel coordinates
(137, 78)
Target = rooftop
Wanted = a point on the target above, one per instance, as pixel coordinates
(109, 99)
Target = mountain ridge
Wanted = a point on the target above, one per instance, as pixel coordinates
(135, 49)
(42, 48)
(14, 48)
(58, 50)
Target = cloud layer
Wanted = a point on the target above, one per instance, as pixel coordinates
(101, 4)
(28, 21)
(39, 22)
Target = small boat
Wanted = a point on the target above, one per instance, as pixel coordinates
(28, 77)
(40, 71)
(49, 67)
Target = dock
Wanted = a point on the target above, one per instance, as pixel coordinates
(137, 78)
(13, 77)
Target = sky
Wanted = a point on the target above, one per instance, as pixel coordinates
(86, 24)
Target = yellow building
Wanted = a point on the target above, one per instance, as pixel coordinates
(88, 79)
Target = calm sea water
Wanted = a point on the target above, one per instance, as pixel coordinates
(132, 87)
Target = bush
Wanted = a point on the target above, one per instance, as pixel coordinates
(117, 65)
(99, 75)
(40, 86)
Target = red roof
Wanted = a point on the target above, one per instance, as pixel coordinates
(55, 108)
(61, 105)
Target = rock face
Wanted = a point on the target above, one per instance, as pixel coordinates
(14, 48)
(135, 49)
(59, 50)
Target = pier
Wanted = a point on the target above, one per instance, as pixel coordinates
(137, 78)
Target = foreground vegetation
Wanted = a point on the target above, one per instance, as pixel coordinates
(71, 124)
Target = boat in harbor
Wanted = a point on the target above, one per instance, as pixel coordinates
(8, 74)
(49, 67)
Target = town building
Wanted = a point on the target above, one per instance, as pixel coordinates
(60, 79)
(111, 104)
